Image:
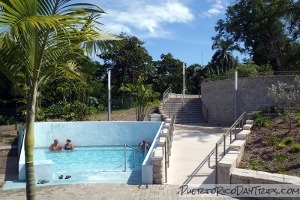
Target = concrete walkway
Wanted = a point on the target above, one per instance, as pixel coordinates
(191, 144)
(105, 191)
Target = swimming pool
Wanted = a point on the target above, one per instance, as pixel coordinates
(94, 164)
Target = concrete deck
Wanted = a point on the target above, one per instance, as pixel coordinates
(191, 144)
(104, 191)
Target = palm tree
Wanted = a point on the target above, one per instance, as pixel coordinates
(36, 37)
(223, 56)
(144, 97)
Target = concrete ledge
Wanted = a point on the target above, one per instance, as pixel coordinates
(225, 167)
(162, 141)
(158, 154)
(43, 169)
(249, 121)
(166, 125)
(247, 126)
(168, 120)
(164, 132)
(237, 144)
(243, 176)
(243, 135)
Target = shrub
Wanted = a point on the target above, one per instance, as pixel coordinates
(297, 118)
(281, 170)
(13, 141)
(296, 147)
(75, 111)
(288, 140)
(259, 120)
(264, 70)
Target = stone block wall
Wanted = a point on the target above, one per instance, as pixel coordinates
(158, 165)
(218, 96)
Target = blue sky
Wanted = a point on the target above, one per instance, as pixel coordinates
(181, 27)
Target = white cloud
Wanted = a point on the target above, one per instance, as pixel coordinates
(217, 7)
(145, 18)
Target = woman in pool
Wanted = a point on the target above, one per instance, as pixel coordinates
(68, 145)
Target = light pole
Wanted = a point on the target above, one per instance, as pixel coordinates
(183, 84)
(235, 94)
(109, 97)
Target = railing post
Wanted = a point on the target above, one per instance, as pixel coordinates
(230, 135)
(216, 168)
(209, 161)
(133, 157)
(125, 157)
(166, 168)
(224, 138)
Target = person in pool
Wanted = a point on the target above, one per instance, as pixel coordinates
(68, 145)
(144, 145)
(55, 146)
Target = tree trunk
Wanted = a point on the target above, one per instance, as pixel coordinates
(29, 143)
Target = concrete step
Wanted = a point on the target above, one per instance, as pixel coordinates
(193, 105)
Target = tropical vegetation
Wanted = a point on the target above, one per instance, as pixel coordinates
(45, 48)
(39, 39)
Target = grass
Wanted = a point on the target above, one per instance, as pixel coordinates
(288, 140)
(116, 115)
(13, 141)
(257, 165)
(296, 147)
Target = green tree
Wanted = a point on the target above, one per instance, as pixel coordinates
(127, 62)
(194, 76)
(36, 36)
(260, 27)
(287, 98)
(143, 96)
(223, 57)
(168, 73)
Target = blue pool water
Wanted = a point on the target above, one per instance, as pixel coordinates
(94, 164)
(89, 165)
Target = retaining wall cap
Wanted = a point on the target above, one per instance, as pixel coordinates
(237, 143)
(291, 179)
(228, 159)
(166, 125)
(158, 154)
(162, 139)
(249, 121)
(165, 131)
(245, 132)
(233, 152)
(247, 126)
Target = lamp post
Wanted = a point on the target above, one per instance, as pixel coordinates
(235, 94)
(109, 97)
(183, 84)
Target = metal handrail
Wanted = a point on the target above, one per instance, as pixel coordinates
(166, 94)
(215, 150)
(134, 149)
(203, 106)
(168, 145)
(184, 106)
(183, 95)
(240, 123)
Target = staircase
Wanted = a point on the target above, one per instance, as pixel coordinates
(189, 112)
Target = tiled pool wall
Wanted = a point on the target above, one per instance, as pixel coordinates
(96, 133)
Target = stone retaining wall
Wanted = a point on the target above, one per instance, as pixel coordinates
(218, 96)
(228, 173)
